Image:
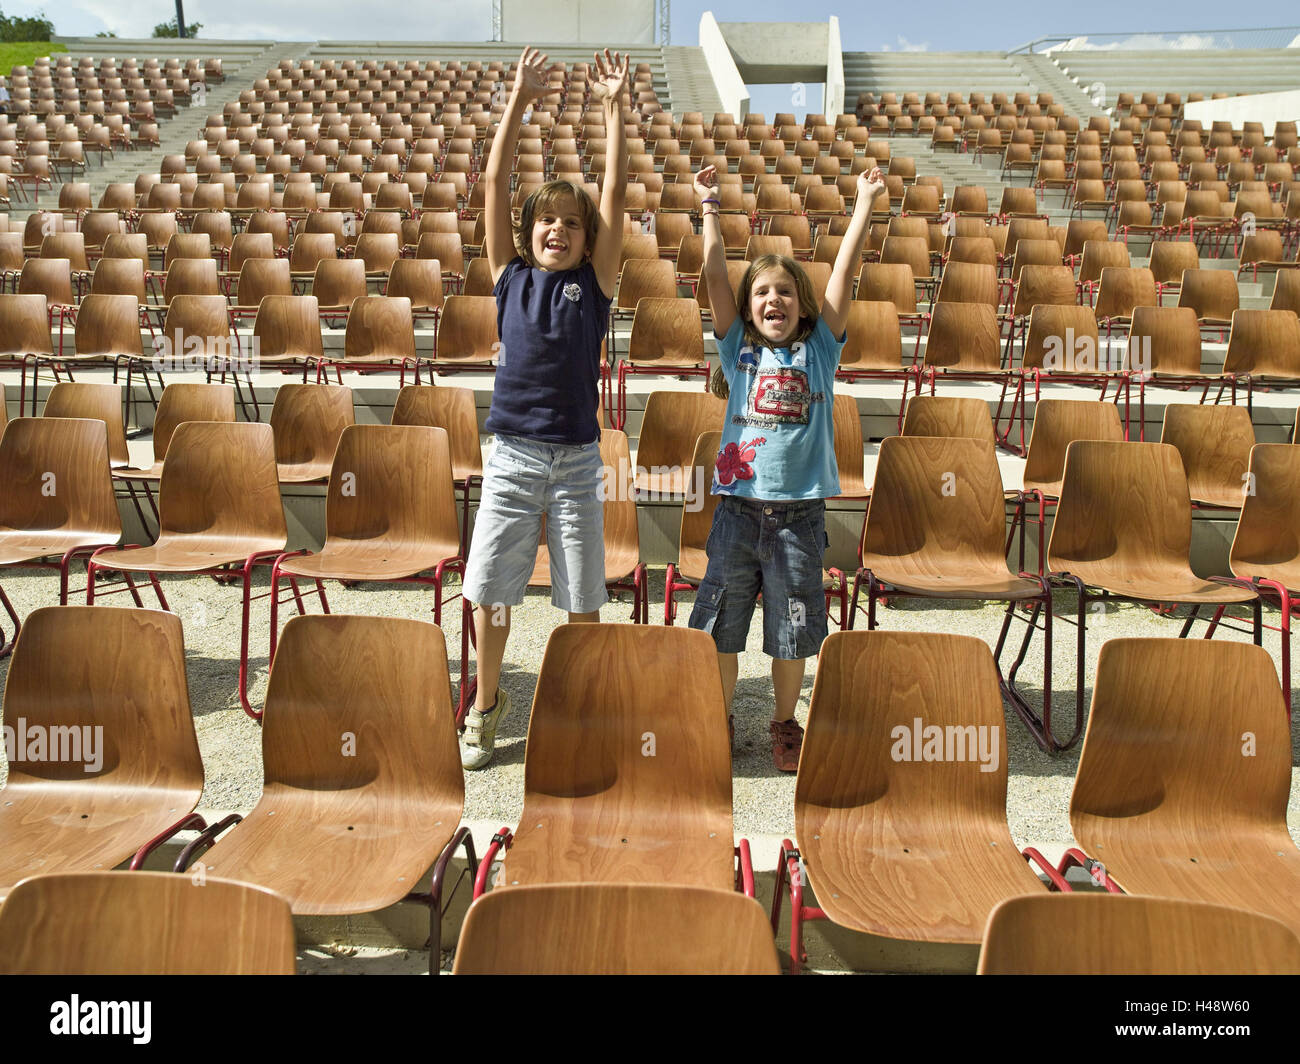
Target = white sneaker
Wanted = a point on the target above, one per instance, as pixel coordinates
(481, 732)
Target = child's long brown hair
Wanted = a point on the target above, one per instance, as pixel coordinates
(809, 311)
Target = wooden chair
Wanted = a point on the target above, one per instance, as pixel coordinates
(595, 809)
(467, 335)
(180, 402)
(936, 528)
(287, 330)
(307, 421)
(128, 699)
(615, 929)
(1163, 794)
(43, 529)
(640, 279)
(101, 402)
(698, 505)
(1263, 351)
(453, 410)
(873, 810)
(1214, 443)
(1212, 294)
(624, 570)
(1263, 555)
(667, 337)
(25, 339)
(1134, 499)
(352, 834)
(1092, 934)
(219, 506)
(672, 423)
(144, 923)
(420, 281)
(380, 336)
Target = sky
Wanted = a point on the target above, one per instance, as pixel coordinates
(938, 25)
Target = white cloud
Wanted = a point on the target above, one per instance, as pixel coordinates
(904, 45)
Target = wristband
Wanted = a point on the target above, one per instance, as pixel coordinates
(710, 201)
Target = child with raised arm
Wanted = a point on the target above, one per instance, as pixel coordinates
(777, 354)
(554, 280)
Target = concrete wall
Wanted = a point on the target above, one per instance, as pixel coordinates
(773, 52)
(722, 66)
(1265, 107)
(833, 94)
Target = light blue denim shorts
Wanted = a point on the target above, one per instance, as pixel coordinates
(523, 480)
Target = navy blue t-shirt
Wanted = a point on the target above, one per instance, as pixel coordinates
(548, 373)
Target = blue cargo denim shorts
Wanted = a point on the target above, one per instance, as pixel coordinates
(775, 548)
(524, 479)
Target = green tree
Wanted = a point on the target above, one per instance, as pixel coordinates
(25, 29)
(169, 29)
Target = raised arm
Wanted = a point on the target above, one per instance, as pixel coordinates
(611, 81)
(498, 228)
(839, 291)
(713, 270)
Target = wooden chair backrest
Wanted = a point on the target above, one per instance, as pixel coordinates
(1214, 443)
(420, 281)
(380, 328)
(129, 681)
(308, 419)
(936, 494)
(1265, 536)
(969, 282)
(220, 480)
(963, 336)
(1045, 285)
(261, 277)
(1162, 756)
(468, 329)
(697, 511)
(1211, 293)
(1165, 340)
(615, 929)
(1169, 258)
(891, 282)
(1286, 294)
(196, 277)
(873, 337)
(1098, 255)
(1127, 500)
(185, 401)
(287, 326)
(1057, 424)
(1064, 338)
(69, 452)
(586, 735)
(1124, 288)
(100, 402)
(666, 332)
(645, 277)
(25, 325)
(144, 923)
(451, 409)
(943, 415)
(51, 278)
(1098, 934)
(401, 491)
(1265, 343)
(673, 423)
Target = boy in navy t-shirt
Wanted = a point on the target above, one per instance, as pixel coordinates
(554, 280)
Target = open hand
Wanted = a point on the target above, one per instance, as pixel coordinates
(870, 185)
(530, 77)
(706, 183)
(611, 76)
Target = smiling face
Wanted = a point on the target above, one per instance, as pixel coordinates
(559, 236)
(774, 305)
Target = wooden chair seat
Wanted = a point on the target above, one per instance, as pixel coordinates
(144, 923)
(351, 834)
(616, 929)
(20, 545)
(130, 681)
(186, 552)
(365, 560)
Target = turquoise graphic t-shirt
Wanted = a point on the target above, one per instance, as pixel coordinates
(778, 440)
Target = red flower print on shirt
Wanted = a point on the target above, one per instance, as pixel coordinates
(733, 461)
